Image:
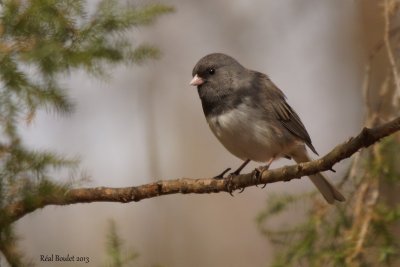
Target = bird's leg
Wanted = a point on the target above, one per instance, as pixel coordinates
(221, 175)
(237, 172)
(257, 173)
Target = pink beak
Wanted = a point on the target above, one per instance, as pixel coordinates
(196, 81)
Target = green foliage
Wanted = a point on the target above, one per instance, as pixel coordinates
(300, 242)
(357, 233)
(40, 41)
(389, 166)
(117, 257)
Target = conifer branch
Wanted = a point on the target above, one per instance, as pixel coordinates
(367, 137)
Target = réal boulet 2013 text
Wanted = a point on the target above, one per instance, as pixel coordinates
(63, 258)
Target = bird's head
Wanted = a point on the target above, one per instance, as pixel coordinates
(216, 71)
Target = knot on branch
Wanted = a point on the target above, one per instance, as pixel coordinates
(159, 187)
(368, 137)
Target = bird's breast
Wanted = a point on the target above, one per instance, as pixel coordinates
(246, 134)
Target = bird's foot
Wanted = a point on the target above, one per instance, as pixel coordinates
(228, 180)
(229, 184)
(257, 174)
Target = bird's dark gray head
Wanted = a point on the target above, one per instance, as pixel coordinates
(216, 70)
(217, 75)
(218, 78)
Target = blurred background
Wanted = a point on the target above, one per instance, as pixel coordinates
(146, 124)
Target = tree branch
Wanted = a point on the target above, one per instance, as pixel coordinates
(200, 186)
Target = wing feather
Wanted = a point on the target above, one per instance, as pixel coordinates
(284, 112)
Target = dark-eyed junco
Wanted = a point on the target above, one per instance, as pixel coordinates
(250, 116)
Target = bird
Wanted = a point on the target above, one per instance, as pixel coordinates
(251, 117)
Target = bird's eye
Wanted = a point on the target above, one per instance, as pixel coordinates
(211, 71)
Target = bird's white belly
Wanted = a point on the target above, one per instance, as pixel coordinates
(247, 136)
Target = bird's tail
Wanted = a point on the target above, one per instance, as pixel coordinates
(329, 192)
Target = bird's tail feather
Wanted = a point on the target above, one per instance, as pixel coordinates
(329, 192)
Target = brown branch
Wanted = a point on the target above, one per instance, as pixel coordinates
(200, 186)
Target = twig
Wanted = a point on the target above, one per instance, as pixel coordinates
(367, 199)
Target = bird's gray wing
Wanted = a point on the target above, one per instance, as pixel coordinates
(291, 121)
(285, 114)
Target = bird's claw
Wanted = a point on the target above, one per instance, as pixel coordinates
(257, 174)
(228, 184)
(228, 180)
(230, 187)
